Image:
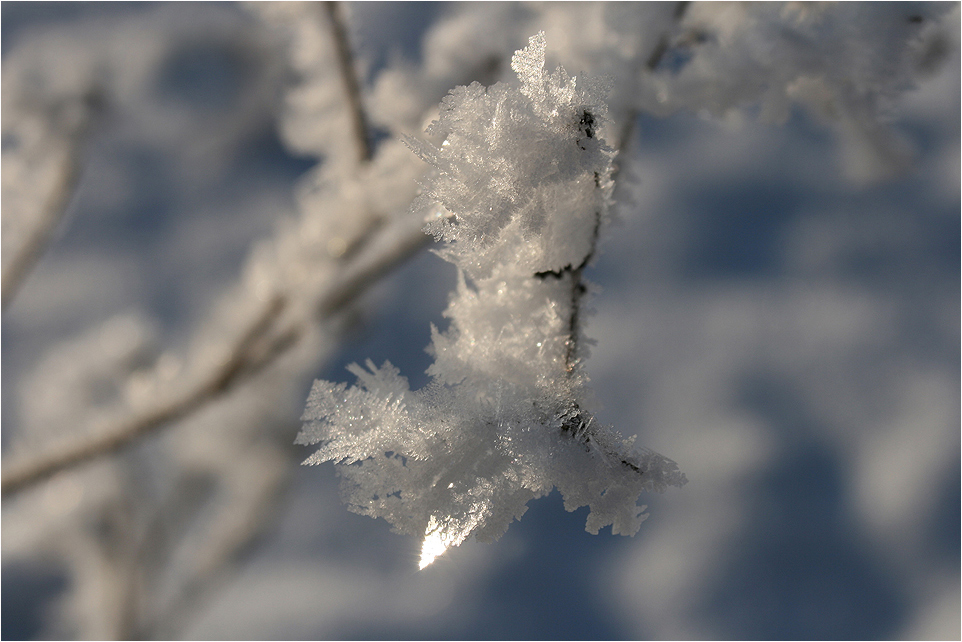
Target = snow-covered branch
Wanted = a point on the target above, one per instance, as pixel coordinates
(345, 61)
(44, 137)
(262, 343)
(506, 416)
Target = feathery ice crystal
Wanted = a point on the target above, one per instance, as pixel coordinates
(521, 189)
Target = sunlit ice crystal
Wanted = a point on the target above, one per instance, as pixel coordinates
(432, 548)
(441, 534)
(524, 181)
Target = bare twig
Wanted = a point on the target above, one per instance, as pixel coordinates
(352, 89)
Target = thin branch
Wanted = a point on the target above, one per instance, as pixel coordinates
(352, 89)
(651, 64)
(53, 208)
(254, 350)
(19, 475)
(52, 211)
(405, 239)
(576, 422)
(658, 53)
(213, 569)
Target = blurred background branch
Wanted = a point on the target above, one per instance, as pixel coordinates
(54, 158)
(352, 90)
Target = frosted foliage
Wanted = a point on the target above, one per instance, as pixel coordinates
(521, 188)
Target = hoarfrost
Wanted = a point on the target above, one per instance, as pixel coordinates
(521, 188)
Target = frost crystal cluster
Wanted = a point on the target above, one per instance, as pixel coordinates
(521, 190)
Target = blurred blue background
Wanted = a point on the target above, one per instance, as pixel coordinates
(789, 338)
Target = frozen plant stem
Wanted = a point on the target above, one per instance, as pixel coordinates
(578, 288)
(55, 203)
(657, 55)
(261, 344)
(352, 89)
(521, 190)
(18, 475)
(256, 348)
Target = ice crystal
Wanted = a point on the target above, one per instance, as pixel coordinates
(521, 190)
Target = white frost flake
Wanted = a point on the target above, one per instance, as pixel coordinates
(527, 182)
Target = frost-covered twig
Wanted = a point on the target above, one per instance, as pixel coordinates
(508, 410)
(51, 212)
(654, 59)
(661, 48)
(352, 90)
(521, 190)
(280, 322)
(842, 63)
(40, 177)
(257, 347)
(18, 475)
